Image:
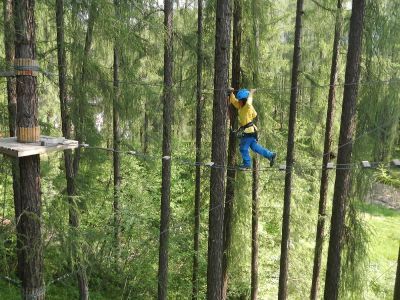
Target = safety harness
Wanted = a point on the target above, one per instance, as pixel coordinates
(240, 132)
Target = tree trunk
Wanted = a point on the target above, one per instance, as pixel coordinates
(319, 240)
(218, 153)
(283, 272)
(254, 232)
(199, 113)
(256, 41)
(116, 136)
(256, 174)
(9, 36)
(347, 129)
(146, 129)
(396, 294)
(166, 150)
(30, 253)
(232, 148)
(81, 92)
(68, 159)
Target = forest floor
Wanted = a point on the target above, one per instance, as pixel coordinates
(382, 215)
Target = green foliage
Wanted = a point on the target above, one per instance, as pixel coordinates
(130, 271)
(388, 177)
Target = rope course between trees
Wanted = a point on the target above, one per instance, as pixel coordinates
(361, 165)
(181, 161)
(191, 163)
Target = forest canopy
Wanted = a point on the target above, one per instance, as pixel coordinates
(155, 200)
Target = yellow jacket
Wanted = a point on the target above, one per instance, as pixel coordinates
(246, 113)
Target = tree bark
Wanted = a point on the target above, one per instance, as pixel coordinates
(256, 40)
(116, 136)
(81, 92)
(256, 173)
(30, 252)
(347, 129)
(283, 272)
(166, 150)
(9, 36)
(68, 159)
(396, 294)
(320, 234)
(254, 231)
(232, 148)
(146, 129)
(218, 153)
(199, 114)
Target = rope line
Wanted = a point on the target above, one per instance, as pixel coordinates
(10, 280)
(374, 281)
(210, 164)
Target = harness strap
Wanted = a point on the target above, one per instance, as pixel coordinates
(246, 126)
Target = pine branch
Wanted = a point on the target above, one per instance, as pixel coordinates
(311, 79)
(14, 282)
(323, 7)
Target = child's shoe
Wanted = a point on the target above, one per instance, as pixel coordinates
(244, 167)
(272, 160)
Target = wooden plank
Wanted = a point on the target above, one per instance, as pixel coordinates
(330, 166)
(396, 162)
(366, 164)
(11, 147)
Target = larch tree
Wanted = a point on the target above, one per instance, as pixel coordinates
(218, 152)
(347, 130)
(284, 260)
(80, 81)
(256, 172)
(396, 294)
(320, 234)
(199, 113)
(116, 131)
(66, 127)
(254, 229)
(29, 234)
(9, 36)
(232, 148)
(166, 150)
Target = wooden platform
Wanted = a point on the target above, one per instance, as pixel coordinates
(11, 147)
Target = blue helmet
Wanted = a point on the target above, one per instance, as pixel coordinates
(242, 94)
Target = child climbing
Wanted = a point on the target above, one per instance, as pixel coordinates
(247, 130)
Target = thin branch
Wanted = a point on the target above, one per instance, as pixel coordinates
(14, 282)
(323, 7)
(60, 278)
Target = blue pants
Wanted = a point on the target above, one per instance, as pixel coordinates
(247, 142)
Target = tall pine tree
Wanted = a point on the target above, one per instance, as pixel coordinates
(347, 129)
(319, 239)
(166, 151)
(284, 260)
(29, 232)
(218, 154)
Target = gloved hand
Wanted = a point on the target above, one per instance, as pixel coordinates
(229, 91)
